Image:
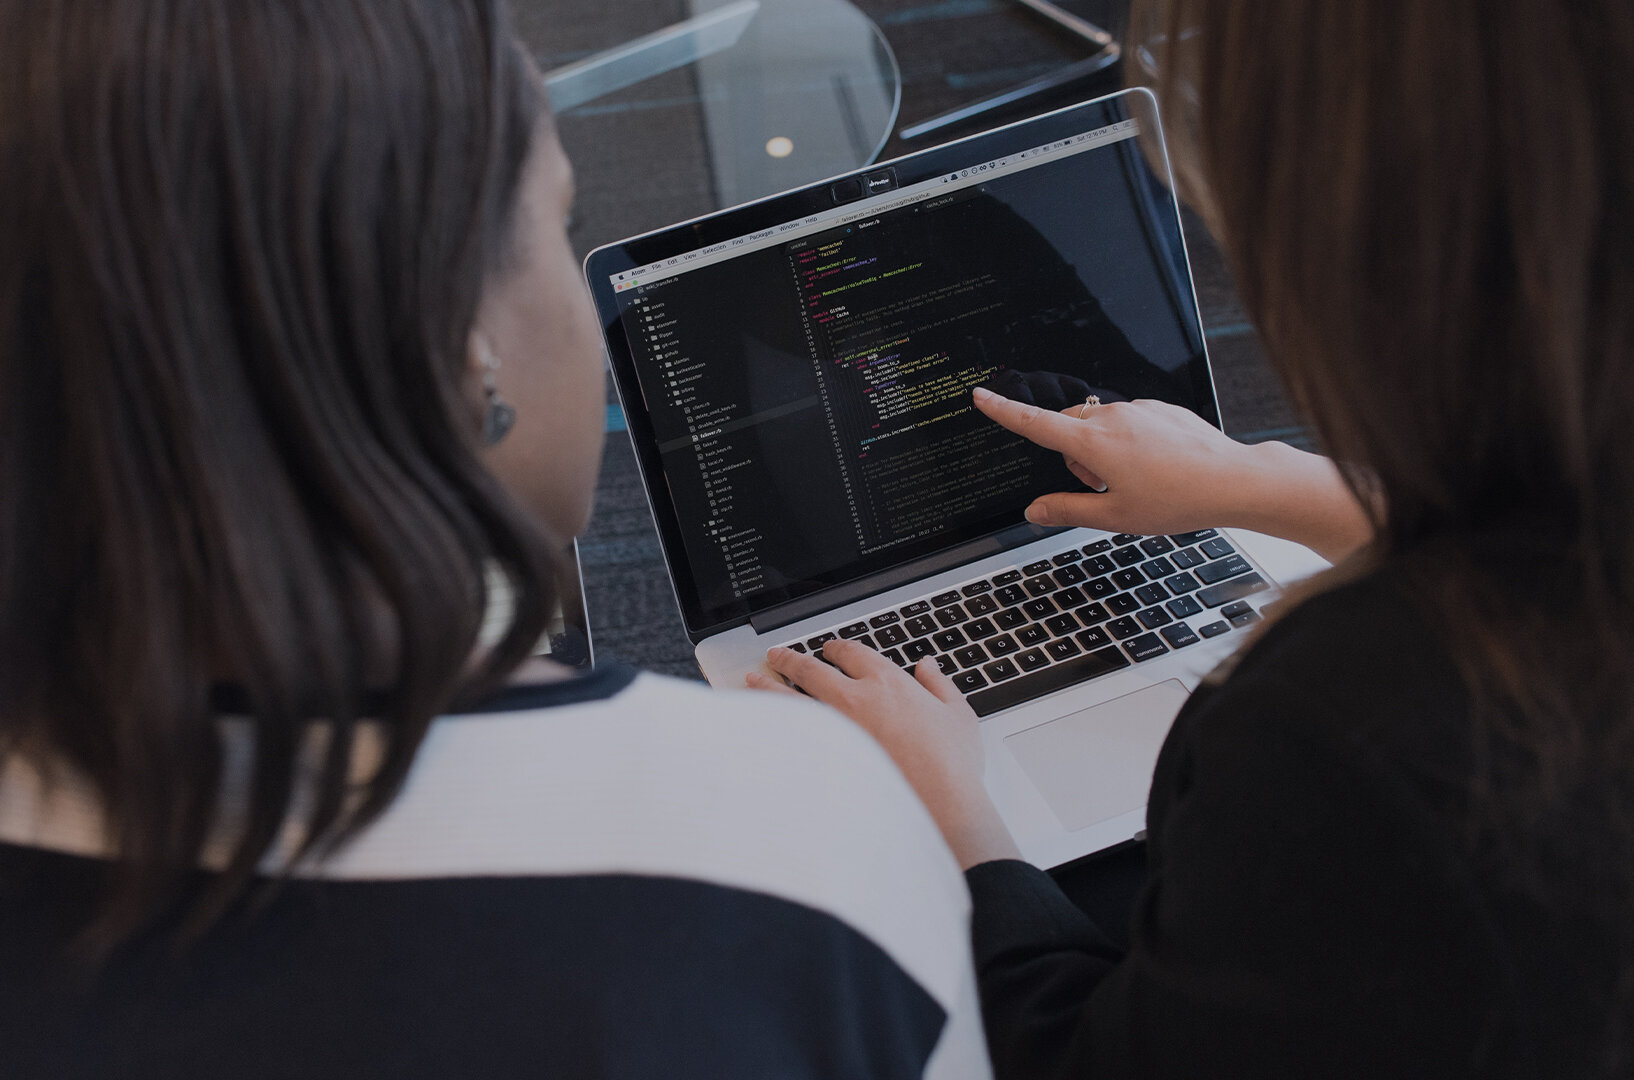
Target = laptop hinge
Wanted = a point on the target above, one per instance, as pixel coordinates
(840, 595)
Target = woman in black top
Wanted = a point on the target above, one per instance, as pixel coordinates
(1398, 838)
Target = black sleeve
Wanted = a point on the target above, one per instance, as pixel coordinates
(1302, 919)
(1038, 961)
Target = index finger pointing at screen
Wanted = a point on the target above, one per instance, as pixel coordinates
(1051, 430)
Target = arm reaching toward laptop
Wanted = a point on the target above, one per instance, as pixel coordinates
(923, 722)
(1155, 468)
(1159, 468)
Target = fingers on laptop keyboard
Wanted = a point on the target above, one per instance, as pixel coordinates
(1053, 622)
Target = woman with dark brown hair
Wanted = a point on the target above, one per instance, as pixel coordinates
(296, 367)
(1398, 838)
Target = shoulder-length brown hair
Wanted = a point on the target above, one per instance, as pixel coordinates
(1429, 212)
(243, 246)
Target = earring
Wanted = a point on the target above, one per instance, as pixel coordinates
(498, 416)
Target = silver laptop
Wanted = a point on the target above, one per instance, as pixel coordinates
(796, 377)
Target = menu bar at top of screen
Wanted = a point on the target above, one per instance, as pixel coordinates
(841, 215)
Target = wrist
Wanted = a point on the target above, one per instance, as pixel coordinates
(965, 815)
(973, 829)
(1298, 496)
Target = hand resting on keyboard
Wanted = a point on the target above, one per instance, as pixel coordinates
(923, 722)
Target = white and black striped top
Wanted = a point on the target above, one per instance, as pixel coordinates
(619, 876)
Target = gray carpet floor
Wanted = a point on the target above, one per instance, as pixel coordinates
(641, 160)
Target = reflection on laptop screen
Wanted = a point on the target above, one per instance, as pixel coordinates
(809, 386)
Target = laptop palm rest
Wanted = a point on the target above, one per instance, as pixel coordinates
(1119, 740)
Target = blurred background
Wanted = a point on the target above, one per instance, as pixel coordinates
(752, 97)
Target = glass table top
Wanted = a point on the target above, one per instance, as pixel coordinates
(775, 94)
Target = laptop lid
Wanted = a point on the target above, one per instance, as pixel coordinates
(796, 372)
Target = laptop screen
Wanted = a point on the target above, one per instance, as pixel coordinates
(804, 388)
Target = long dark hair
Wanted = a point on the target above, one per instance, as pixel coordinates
(243, 245)
(1429, 212)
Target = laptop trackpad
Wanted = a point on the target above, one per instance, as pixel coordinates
(1096, 764)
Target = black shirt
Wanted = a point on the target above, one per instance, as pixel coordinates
(1315, 907)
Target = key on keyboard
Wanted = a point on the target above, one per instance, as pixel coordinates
(1047, 680)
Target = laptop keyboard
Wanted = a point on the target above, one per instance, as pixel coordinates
(1086, 611)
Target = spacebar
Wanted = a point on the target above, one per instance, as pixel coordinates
(1026, 687)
